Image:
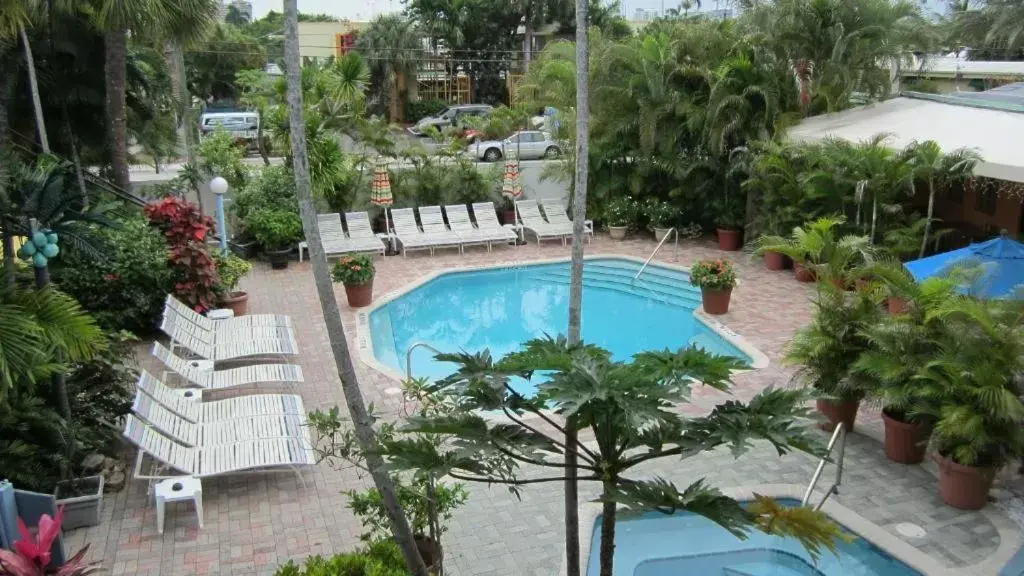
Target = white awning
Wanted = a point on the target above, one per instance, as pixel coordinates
(997, 135)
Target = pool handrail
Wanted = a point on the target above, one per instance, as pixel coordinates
(408, 356)
(658, 247)
(838, 435)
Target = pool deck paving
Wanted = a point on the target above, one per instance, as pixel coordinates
(255, 522)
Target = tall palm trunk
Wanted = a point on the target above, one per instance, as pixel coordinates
(7, 238)
(116, 49)
(527, 47)
(175, 57)
(37, 105)
(928, 221)
(329, 305)
(608, 513)
(579, 215)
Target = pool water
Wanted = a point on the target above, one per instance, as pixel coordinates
(501, 308)
(656, 544)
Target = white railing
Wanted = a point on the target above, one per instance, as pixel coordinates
(671, 232)
(408, 356)
(839, 435)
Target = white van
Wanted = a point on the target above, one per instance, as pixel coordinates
(241, 125)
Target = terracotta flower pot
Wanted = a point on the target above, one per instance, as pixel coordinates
(838, 411)
(964, 487)
(803, 274)
(774, 261)
(359, 295)
(729, 239)
(236, 301)
(618, 232)
(897, 305)
(715, 301)
(905, 442)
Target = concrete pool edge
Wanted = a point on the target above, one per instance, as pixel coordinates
(892, 545)
(364, 339)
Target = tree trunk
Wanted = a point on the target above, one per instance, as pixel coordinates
(329, 305)
(401, 93)
(179, 77)
(8, 245)
(928, 222)
(874, 216)
(37, 105)
(608, 532)
(116, 48)
(579, 216)
(527, 47)
(75, 159)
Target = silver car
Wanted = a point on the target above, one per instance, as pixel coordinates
(529, 144)
(451, 116)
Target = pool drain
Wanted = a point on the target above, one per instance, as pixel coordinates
(909, 530)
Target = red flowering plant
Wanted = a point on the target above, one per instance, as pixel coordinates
(31, 555)
(353, 270)
(713, 274)
(185, 230)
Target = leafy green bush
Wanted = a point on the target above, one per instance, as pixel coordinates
(272, 188)
(101, 390)
(220, 155)
(621, 211)
(126, 288)
(31, 435)
(230, 270)
(412, 497)
(274, 229)
(660, 214)
(382, 558)
(419, 109)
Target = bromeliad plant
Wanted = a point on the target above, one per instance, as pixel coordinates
(353, 270)
(629, 408)
(715, 274)
(31, 555)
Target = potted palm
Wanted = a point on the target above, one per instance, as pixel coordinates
(356, 273)
(620, 216)
(230, 270)
(661, 217)
(716, 279)
(826, 350)
(819, 252)
(277, 231)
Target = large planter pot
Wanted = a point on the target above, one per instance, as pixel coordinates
(897, 305)
(715, 301)
(803, 274)
(660, 233)
(430, 550)
(238, 302)
(964, 487)
(82, 500)
(508, 216)
(905, 442)
(245, 250)
(618, 232)
(774, 261)
(839, 411)
(279, 258)
(730, 239)
(359, 295)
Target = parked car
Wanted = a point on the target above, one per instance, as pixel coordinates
(450, 116)
(243, 126)
(529, 144)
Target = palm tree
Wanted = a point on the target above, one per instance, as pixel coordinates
(181, 20)
(928, 163)
(361, 419)
(393, 47)
(15, 17)
(1006, 21)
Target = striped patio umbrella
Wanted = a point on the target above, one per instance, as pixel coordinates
(380, 191)
(513, 185)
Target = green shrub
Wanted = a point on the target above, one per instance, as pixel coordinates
(272, 188)
(660, 214)
(621, 211)
(101, 390)
(382, 558)
(419, 109)
(274, 229)
(125, 287)
(221, 155)
(230, 270)
(412, 497)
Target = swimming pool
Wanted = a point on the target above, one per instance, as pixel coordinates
(656, 544)
(500, 308)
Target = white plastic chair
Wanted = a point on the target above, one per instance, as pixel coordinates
(192, 371)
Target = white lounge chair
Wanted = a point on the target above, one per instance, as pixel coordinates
(361, 237)
(219, 345)
(258, 455)
(487, 220)
(529, 216)
(555, 211)
(215, 433)
(336, 241)
(458, 218)
(410, 237)
(188, 403)
(234, 323)
(197, 375)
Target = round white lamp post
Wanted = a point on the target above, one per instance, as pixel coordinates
(219, 186)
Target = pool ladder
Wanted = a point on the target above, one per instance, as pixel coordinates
(671, 232)
(408, 356)
(838, 437)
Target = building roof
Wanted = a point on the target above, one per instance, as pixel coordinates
(993, 128)
(952, 66)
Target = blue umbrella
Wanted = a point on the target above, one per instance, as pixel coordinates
(1001, 261)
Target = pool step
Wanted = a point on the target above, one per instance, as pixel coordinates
(653, 275)
(762, 569)
(672, 284)
(685, 299)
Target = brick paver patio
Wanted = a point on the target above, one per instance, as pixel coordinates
(256, 522)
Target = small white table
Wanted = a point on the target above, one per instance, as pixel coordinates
(220, 314)
(178, 489)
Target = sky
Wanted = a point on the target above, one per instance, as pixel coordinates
(367, 9)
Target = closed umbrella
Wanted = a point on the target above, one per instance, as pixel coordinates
(380, 191)
(511, 188)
